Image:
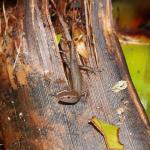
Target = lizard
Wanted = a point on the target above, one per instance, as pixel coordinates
(75, 93)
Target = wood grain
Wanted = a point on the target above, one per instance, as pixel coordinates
(32, 119)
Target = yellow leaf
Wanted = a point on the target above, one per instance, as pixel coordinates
(110, 133)
(58, 37)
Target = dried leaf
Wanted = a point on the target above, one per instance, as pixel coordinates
(110, 133)
(79, 38)
(82, 50)
(119, 86)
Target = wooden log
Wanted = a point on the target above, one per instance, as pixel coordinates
(32, 119)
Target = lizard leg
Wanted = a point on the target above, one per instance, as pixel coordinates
(82, 67)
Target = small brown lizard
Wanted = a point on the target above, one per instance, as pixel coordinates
(75, 93)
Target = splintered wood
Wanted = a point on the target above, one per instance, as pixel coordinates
(32, 7)
(11, 39)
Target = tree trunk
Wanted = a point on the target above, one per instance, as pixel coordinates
(31, 117)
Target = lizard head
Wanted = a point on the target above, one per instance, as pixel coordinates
(68, 97)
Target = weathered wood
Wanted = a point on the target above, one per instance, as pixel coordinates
(32, 119)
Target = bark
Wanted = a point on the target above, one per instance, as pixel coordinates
(32, 119)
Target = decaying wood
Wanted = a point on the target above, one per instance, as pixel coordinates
(32, 119)
(115, 49)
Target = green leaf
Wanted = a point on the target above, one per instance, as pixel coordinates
(138, 60)
(58, 37)
(110, 133)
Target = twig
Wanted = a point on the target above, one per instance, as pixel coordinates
(32, 6)
(18, 49)
(65, 26)
(50, 25)
(5, 18)
(0, 26)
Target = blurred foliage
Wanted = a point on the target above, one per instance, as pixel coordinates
(131, 15)
(138, 60)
